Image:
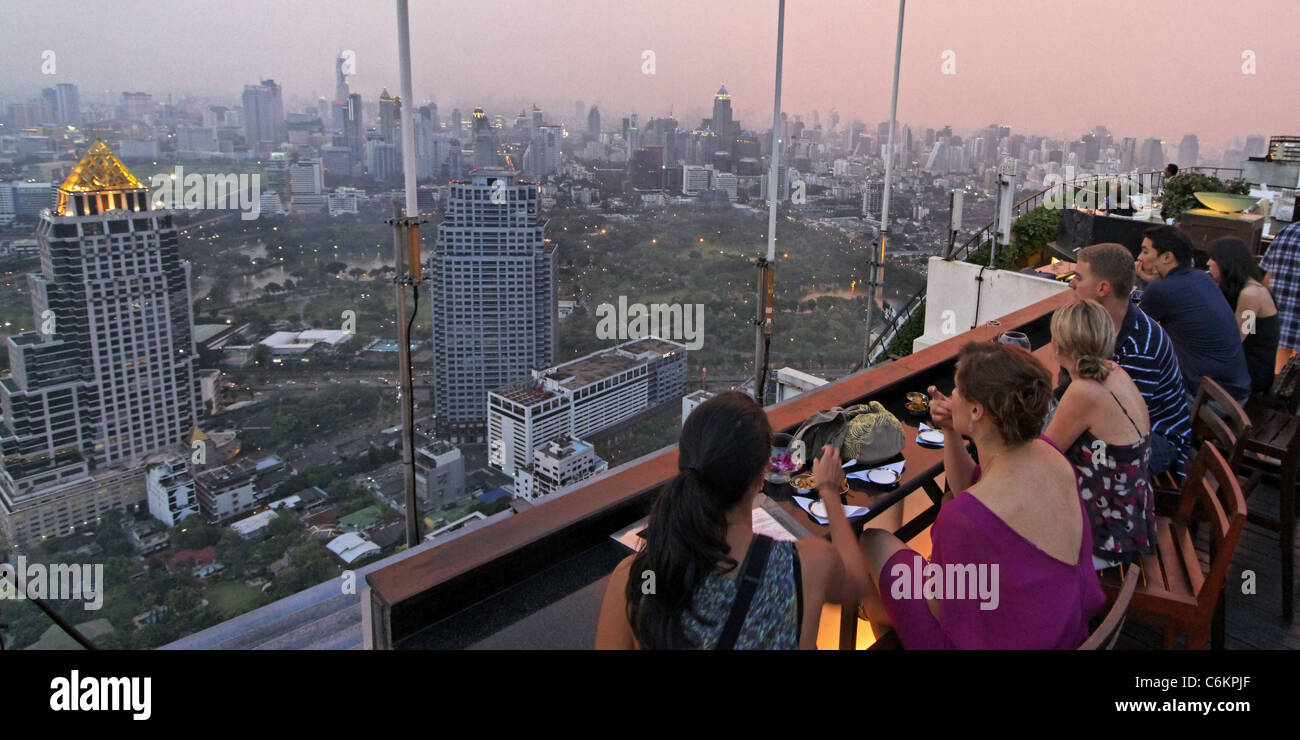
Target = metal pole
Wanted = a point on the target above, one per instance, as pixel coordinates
(767, 267)
(407, 230)
(878, 262)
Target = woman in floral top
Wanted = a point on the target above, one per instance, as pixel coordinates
(1102, 425)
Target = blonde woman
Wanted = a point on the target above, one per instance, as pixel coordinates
(1103, 427)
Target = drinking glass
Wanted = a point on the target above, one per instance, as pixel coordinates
(1017, 338)
(787, 456)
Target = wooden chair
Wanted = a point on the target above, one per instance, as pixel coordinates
(1273, 449)
(1177, 595)
(1227, 434)
(1107, 633)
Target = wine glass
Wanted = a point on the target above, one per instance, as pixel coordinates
(1017, 338)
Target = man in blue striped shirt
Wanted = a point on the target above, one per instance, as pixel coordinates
(1105, 273)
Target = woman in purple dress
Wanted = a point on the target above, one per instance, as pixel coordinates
(1011, 563)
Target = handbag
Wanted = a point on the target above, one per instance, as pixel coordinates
(866, 432)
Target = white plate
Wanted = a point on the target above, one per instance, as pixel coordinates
(931, 437)
(882, 477)
(818, 509)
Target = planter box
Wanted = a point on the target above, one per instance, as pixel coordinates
(1204, 226)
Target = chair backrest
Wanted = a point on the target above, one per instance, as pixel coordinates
(1229, 433)
(1212, 486)
(1107, 633)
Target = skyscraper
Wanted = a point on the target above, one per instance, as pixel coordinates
(390, 109)
(485, 141)
(1153, 154)
(110, 377)
(341, 93)
(352, 137)
(593, 122)
(264, 124)
(1189, 151)
(493, 297)
(723, 123)
(64, 103)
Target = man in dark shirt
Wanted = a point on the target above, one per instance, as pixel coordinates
(1104, 273)
(1192, 310)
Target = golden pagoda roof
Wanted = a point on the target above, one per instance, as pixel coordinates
(99, 170)
(196, 435)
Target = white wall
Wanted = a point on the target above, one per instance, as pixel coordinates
(952, 289)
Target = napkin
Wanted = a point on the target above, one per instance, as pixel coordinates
(849, 511)
(896, 467)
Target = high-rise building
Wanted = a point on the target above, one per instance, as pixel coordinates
(264, 123)
(593, 122)
(1189, 151)
(339, 105)
(493, 296)
(307, 185)
(110, 378)
(542, 157)
(873, 194)
(1256, 146)
(137, 106)
(383, 160)
(723, 123)
(390, 110)
(352, 133)
(485, 141)
(1128, 154)
(64, 103)
(1153, 155)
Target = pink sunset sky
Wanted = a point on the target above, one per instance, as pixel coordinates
(1056, 67)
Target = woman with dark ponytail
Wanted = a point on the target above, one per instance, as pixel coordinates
(680, 591)
(1103, 426)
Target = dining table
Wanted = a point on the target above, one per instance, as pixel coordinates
(923, 464)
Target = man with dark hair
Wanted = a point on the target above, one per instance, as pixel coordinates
(1281, 266)
(1171, 169)
(1192, 310)
(1104, 273)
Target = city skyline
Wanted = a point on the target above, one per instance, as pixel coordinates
(829, 64)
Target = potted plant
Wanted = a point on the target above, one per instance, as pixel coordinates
(1179, 191)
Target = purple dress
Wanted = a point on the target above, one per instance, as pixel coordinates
(996, 589)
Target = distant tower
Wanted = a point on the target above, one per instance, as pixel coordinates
(1189, 151)
(593, 122)
(390, 111)
(485, 142)
(723, 123)
(264, 123)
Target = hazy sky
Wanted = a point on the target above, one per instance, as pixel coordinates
(1158, 67)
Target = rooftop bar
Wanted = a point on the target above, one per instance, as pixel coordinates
(535, 580)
